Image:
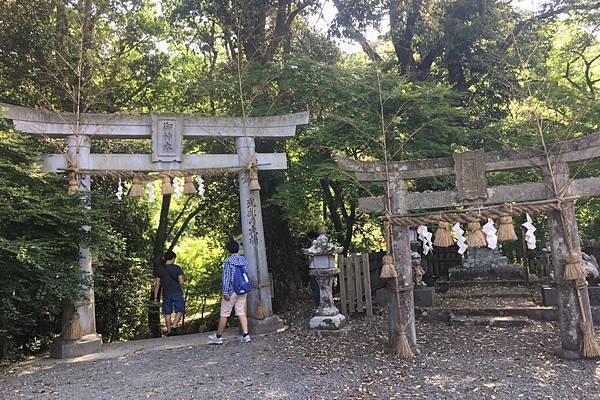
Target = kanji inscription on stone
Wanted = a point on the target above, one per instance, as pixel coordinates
(469, 168)
(166, 137)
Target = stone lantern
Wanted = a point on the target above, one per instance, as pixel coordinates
(323, 268)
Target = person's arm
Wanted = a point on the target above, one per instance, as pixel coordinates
(156, 289)
(180, 280)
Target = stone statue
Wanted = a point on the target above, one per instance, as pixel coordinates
(418, 270)
(321, 245)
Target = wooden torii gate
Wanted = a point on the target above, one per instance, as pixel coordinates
(470, 169)
(167, 131)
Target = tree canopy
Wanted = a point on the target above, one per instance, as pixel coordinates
(442, 75)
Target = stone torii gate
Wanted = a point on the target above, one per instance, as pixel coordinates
(167, 131)
(470, 169)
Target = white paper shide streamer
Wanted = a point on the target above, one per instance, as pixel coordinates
(119, 193)
(425, 237)
(177, 187)
(200, 186)
(151, 194)
(461, 241)
(529, 233)
(490, 234)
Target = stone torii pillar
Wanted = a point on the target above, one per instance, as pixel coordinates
(79, 320)
(253, 238)
(569, 311)
(404, 312)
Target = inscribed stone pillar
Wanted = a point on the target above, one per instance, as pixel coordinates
(568, 310)
(79, 152)
(254, 245)
(405, 311)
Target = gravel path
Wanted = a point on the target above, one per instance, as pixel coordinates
(455, 363)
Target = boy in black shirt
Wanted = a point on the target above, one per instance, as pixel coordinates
(171, 278)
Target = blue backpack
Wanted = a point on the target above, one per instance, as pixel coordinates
(242, 283)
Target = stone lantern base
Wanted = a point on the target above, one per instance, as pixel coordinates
(330, 323)
(327, 317)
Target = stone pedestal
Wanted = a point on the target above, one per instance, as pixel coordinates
(270, 324)
(88, 344)
(327, 316)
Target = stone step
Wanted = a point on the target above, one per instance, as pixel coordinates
(445, 314)
(504, 322)
(481, 282)
(478, 295)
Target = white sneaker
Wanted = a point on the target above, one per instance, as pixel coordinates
(215, 339)
(245, 339)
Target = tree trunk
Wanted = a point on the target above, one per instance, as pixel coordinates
(402, 31)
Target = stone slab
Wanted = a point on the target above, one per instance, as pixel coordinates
(381, 297)
(327, 323)
(270, 324)
(88, 344)
(500, 273)
(550, 296)
(463, 320)
(424, 296)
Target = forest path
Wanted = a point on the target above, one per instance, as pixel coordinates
(456, 362)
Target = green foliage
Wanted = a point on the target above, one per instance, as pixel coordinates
(40, 228)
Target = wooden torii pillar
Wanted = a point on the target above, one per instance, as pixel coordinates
(470, 169)
(167, 131)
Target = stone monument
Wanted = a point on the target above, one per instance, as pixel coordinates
(483, 263)
(323, 268)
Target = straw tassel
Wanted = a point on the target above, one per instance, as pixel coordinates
(506, 230)
(443, 237)
(589, 345)
(137, 190)
(387, 268)
(73, 331)
(254, 185)
(188, 186)
(476, 237)
(167, 187)
(73, 185)
(260, 310)
(401, 346)
(574, 269)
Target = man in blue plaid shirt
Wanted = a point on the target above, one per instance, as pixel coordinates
(230, 298)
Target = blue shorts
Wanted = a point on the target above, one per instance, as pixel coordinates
(173, 300)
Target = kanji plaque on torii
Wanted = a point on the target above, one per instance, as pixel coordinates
(167, 131)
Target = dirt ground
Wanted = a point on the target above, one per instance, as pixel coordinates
(456, 362)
